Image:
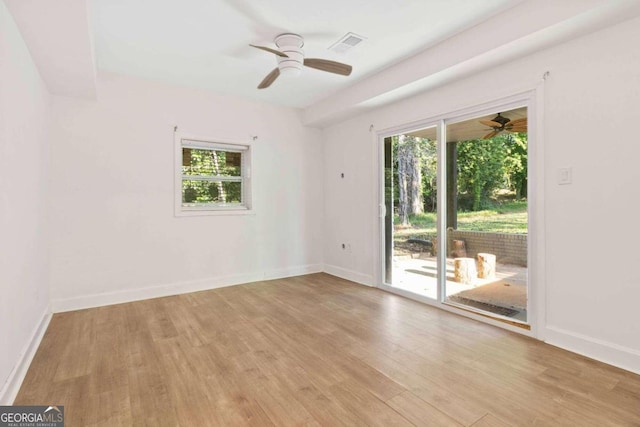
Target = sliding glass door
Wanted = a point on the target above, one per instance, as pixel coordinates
(487, 216)
(484, 225)
(410, 222)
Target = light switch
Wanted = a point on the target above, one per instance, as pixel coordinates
(564, 176)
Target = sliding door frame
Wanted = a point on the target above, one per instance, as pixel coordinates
(536, 301)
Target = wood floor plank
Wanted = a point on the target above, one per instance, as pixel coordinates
(450, 399)
(278, 401)
(114, 408)
(490, 420)
(365, 406)
(419, 412)
(312, 350)
(80, 340)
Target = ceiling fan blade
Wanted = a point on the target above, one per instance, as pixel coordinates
(490, 135)
(271, 77)
(268, 49)
(518, 129)
(517, 122)
(491, 123)
(513, 128)
(330, 66)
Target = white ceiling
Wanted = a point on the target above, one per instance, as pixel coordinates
(412, 45)
(205, 43)
(57, 34)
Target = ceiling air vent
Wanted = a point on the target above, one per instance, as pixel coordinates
(348, 41)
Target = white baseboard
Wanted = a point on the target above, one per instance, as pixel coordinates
(12, 385)
(610, 353)
(354, 276)
(293, 271)
(109, 298)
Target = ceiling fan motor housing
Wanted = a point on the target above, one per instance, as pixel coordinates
(501, 119)
(290, 44)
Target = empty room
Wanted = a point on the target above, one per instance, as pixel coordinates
(227, 213)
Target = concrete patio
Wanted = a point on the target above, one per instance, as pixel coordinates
(505, 295)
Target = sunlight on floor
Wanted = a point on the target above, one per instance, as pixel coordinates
(507, 291)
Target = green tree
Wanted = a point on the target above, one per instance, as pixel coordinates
(207, 163)
(516, 162)
(481, 169)
(429, 175)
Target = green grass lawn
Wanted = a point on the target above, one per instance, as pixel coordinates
(507, 217)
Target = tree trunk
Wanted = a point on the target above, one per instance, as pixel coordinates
(222, 197)
(477, 195)
(415, 183)
(403, 196)
(486, 266)
(523, 189)
(409, 178)
(464, 270)
(459, 249)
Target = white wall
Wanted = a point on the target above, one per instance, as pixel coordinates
(114, 233)
(592, 101)
(24, 123)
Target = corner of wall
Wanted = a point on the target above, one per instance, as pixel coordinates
(11, 387)
(354, 276)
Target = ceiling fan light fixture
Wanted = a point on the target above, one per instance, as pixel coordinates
(501, 119)
(291, 45)
(290, 71)
(501, 124)
(291, 60)
(289, 39)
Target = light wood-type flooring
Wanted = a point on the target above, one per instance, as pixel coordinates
(313, 350)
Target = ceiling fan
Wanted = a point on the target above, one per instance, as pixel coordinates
(291, 59)
(501, 124)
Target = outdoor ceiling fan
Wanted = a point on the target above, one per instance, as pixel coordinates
(291, 59)
(501, 124)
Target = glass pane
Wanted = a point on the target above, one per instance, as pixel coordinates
(410, 224)
(487, 222)
(211, 192)
(203, 162)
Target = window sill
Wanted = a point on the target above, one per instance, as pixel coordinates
(217, 212)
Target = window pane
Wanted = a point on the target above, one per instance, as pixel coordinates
(203, 162)
(205, 192)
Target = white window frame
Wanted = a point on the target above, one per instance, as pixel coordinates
(189, 141)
